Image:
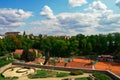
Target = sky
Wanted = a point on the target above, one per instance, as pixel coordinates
(60, 17)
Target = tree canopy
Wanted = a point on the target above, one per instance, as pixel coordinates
(61, 47)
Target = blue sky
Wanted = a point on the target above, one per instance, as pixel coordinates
(60, 17)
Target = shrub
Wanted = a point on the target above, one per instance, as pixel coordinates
(3, 62)
(77, 72)
(61, 74)
(28, 55)
(39, 74)
(16, 56)
(100, 76)
(47, 73)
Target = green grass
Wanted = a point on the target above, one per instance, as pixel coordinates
(61, 74)
(76, 72)
(82, 78)
(46, 74)
(4, 62)
(100, 76)
(39, 74)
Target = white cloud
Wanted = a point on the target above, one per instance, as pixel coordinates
(109, 23)
(13, 17)
(47, 12)
(45, 26)
(17, 24)
(66, 23)
(97, 19)
(96, 6)
(75, 3)
(117, 3)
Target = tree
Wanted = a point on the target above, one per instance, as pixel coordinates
(46, 46)
(73, 46)
(28, 55)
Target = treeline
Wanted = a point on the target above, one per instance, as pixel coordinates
(59, 47)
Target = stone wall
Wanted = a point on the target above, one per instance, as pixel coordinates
(112, 75)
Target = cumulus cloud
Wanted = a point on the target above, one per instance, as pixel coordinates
(45, 26)
(13, 17)
(66, 23)
(96, 6)
(109, 23)
(117, 3)
(75, 3)
(47, 12)
(97, 19)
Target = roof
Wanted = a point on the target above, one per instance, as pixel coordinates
(20, 51)
(105, 56)
(1, 35)
(32, 50)
(39, 60)
(11, 32)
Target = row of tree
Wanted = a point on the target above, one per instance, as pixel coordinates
(59, 47)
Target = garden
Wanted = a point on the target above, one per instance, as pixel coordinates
(51, 73)
(4, 62)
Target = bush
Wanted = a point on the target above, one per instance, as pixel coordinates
(61, 74)
(39, 74)
(16, 56)
(100, 76)
(47, 73)
(77, 72)
(3, 62)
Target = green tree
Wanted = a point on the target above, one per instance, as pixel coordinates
(28, 55)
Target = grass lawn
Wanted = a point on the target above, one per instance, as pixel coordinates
(4, 62)
(47, 73)
(102, 76)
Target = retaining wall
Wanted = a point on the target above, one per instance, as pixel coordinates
(112, 75)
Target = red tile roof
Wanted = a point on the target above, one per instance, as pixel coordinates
(18, 51)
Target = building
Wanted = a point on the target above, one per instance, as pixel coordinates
(1, 36)
(65, 37)
(20, 51)
(11, 34)
(105, 58)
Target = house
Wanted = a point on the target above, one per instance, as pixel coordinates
(1, 36)
(65, 37)
(11, 34)
(20, 52)
(105, 58)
